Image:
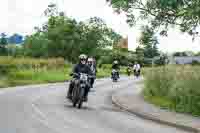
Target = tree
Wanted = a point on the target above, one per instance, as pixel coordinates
(197, 54)
(3, 44)
(36, 45)
(180, 54)
(162, 60)
(140, 54)
(162, 13)
(149, 42)
(62, 36)
(3, 39)
(184, 53)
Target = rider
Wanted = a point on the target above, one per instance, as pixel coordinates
(92, 65)
(136, 68)
(81, 67)
(116, 66)
(129, 67)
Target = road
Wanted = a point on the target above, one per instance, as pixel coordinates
(44, 109)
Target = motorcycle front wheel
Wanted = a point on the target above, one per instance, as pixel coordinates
(81, 95)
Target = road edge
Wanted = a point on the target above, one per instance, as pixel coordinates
(116, 102)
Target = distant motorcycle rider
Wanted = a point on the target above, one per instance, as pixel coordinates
(116, 66)
(128, 69)
(81, 67)
(137, 68)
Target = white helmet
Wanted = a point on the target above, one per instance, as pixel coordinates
(90, 60)
(82, 56)
(115, 62)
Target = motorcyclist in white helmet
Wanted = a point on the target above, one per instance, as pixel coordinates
(116, 66)
(81, 67)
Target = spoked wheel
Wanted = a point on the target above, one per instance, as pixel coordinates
(115, 78)
(81, 95)
(75, 94)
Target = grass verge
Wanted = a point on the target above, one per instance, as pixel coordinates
(174, 87)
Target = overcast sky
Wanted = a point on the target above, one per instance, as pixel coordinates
(21, 16)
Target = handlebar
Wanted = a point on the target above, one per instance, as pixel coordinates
(78, 75)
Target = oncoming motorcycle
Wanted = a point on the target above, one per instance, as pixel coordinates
(115, 75)
(80, 89)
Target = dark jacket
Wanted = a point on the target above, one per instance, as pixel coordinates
(82, 68)
(115, 66)
(93, 68)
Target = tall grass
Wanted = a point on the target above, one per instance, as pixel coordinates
(179, 86)
(24, 71)
(25, 77)
(31, 63)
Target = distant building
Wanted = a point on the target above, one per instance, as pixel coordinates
(184, 59)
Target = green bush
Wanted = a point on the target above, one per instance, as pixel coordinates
(105, 60)
(195, 62)
(177, 84)
(103, 73)
(106, 66)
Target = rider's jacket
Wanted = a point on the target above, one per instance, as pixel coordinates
(115, 66)
(93, 68)
(82, 68)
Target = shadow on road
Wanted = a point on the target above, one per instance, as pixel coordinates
(68, 106)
